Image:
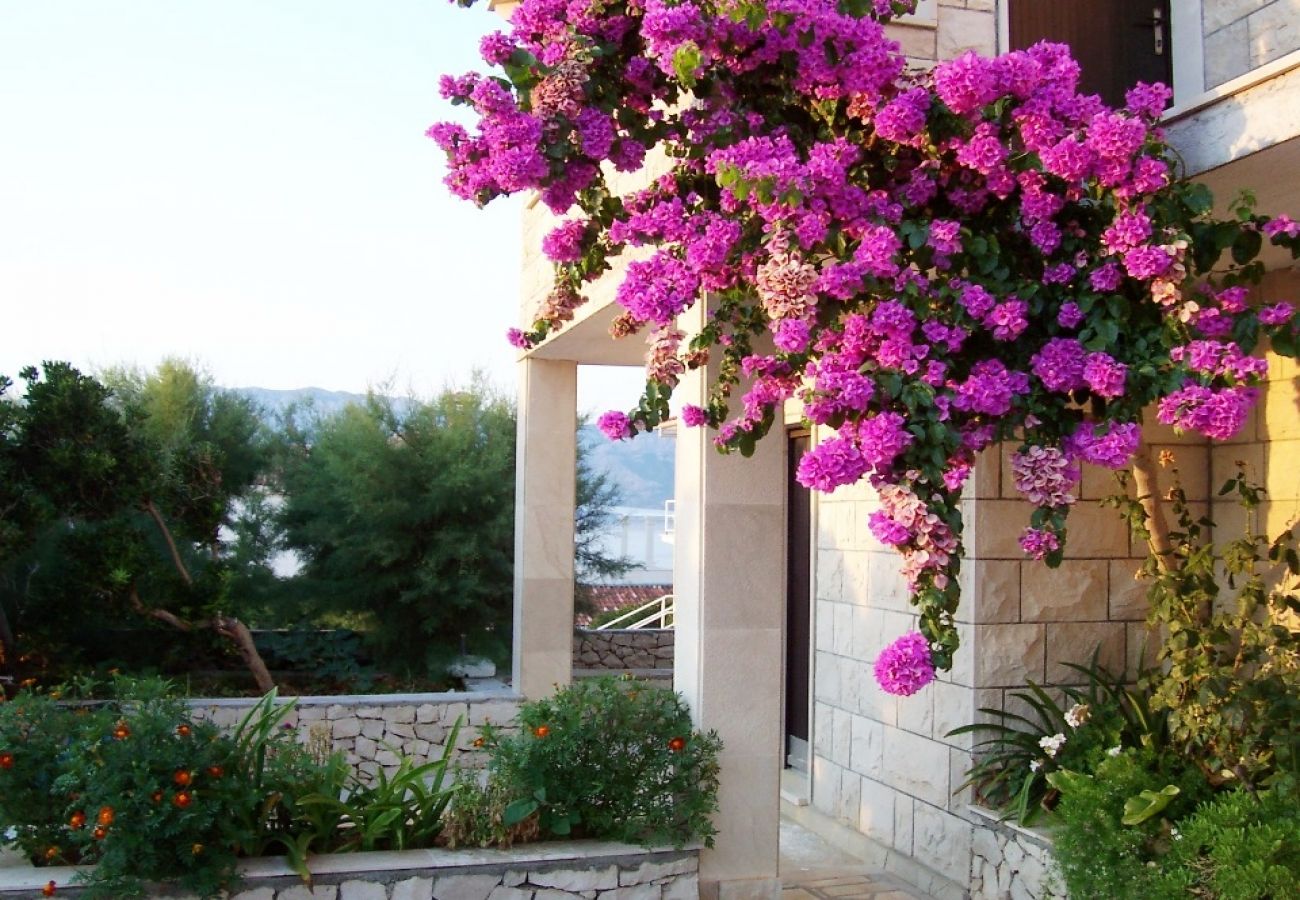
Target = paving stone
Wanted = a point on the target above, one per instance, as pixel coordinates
(466, 887)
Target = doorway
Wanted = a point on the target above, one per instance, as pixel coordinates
(798, 608)
(1117, 42)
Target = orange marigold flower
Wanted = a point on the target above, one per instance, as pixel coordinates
(6, 760)
(182, 799)
(99, 833)
(216, 771)
(677, 744)
(105, 815)
(478, 742)
(49, 889)
(541, 731)
(51, 852)
(78, 819)
(182, 777)
(121, 731)
(183, 730)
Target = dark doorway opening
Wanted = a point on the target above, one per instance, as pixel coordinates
(1117, 42)
(798, 607)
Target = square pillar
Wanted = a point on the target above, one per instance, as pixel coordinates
(729, 608)
(545, 494)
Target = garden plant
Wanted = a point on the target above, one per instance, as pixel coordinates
(930, 261)
(1184, 783)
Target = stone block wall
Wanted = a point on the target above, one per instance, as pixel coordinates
(1009, 861)
(619, 650)
(375, 731)
(554, 871)
(1242, 35)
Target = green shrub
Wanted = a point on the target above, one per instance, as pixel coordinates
(1236, 847)
(1101, 857)
(609, 759)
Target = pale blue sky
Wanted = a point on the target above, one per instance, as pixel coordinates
(246, 183)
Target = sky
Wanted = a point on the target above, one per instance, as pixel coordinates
(246, 184)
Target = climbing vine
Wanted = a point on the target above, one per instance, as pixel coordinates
(930, 262)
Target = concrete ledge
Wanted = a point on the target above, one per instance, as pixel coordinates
(560, 869)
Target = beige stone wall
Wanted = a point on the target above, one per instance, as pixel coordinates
(1269, 445)
(1241, 35)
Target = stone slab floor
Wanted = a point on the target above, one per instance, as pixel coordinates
(812, 869)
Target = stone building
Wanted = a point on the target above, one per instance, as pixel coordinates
(784, 600)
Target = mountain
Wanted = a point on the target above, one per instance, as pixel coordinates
(642, 467)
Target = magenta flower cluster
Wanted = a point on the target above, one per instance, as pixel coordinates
(928, 262)
(905, 666)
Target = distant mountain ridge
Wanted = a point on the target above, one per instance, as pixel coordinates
(642, 468)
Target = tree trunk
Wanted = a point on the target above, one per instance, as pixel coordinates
(236, 631)
(8, 643)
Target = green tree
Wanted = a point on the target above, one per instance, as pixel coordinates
(121, 511)
(403, 514)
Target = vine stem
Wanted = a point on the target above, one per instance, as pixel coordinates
(1144, 485)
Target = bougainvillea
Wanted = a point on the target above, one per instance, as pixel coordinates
(929, 261)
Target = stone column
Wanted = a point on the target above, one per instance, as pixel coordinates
(545, 476)
(729, 594)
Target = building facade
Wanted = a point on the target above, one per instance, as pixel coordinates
(784, 600)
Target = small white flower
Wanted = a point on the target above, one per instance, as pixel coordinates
(10, 835)
(1115, 751)
(1175, 834)
(1077, 715)
(1052, 745)
(1035, 765)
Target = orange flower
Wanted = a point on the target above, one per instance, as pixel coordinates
(156, 796)
(541, 731)
(105, 815)
(121, 732)
(183, 730)
(6, 760)
(49, 889)
(99, 833)
(51, 852)
(27, 682)
(78, 819)
(182, 778)
(182, 799)
(677, 744)
(478, 742)
(196, 849)
(216, 771)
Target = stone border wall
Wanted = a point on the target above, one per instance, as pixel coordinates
(555, 871)
(621, 649)
(375, 730)
(1010, 861)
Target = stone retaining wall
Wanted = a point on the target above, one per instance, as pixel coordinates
(1010, 861)
(620, 649)
(580, 870)
(375, 731)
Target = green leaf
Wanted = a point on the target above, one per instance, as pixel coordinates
(519, 810)
(1147, 804)
(685, 61)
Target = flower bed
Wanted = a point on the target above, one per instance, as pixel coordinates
(587, 869)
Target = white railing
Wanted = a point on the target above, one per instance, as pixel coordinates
(657, 613)
(670, 521)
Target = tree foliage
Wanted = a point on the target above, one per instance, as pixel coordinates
(120, 511)
(404, 514)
